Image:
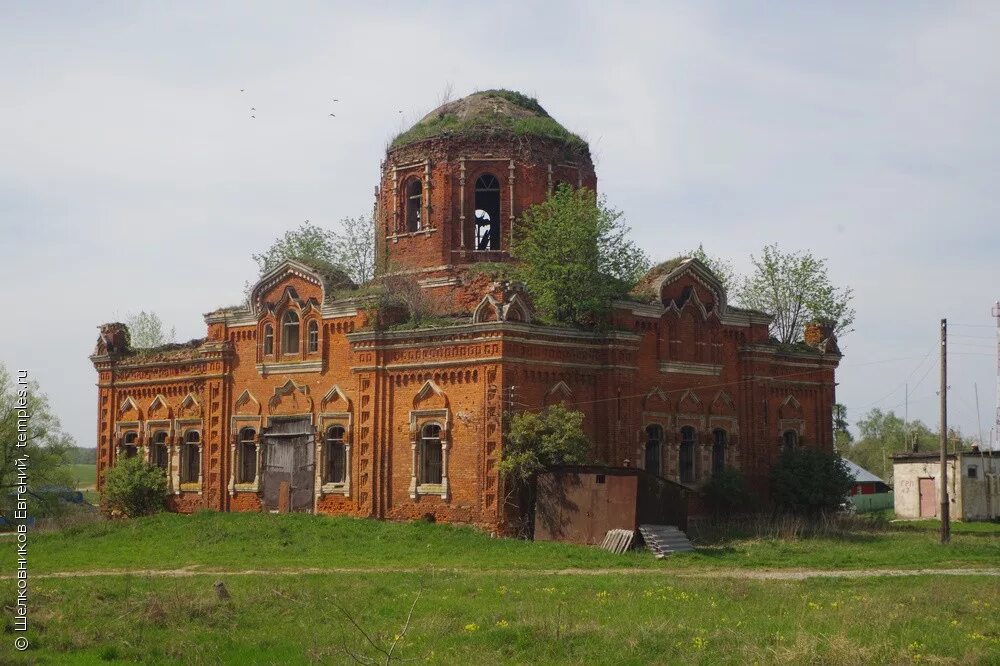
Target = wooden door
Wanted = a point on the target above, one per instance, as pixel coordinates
(928, 498)
(289, 456)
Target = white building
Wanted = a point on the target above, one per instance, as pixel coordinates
(973, 485)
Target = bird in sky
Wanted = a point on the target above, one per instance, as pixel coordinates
(243, 89)
(253, 108)
(334, 115)
(335, 99)
(253, 116)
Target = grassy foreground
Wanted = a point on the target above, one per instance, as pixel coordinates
(266, 541)
(490, 601)
(494, 618)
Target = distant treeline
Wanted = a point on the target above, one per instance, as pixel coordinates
(79, 455)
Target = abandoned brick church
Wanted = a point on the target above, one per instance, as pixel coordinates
(301, 396)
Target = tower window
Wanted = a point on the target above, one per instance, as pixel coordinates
(414, 200)
(487, 212)
(313, 337)
(290, 333)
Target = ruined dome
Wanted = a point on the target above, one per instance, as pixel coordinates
(491, 113)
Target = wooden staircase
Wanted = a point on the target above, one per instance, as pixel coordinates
(665, 540)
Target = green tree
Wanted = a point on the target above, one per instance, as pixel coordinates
(727, 492)
(575, 257)
(723, 269)
(354, 247)
(536, 440)
(134, 488)
(794, 288)
(350, 246)
(146, 330)
(882, 434)
(45, 445)
(306, 242)
(809, 481)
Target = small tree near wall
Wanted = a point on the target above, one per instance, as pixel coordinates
(134, 488)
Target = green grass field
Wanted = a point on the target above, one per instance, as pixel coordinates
(489, 601)
(299, 540)
(84, 476)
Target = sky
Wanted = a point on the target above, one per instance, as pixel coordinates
(133, 178)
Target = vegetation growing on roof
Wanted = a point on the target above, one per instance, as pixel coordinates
(491, 112)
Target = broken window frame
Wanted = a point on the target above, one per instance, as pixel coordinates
(291, 330)
(312, 336)
(191, 458)
(413, 201)
(247, 454)
(487, 198)
(160, 446)
(268, 346)
(431, 464)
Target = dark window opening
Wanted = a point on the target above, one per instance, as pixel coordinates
(789, 440)
(268, 340)
(336, 455)
(414, 199)
(973, 472)
(161, 455)
(191, 467)
(487, 212)
(601, 478)
(290, 333)
(248, 455)
(686, 454)
(313, 337)
(719, 450)
(430, 455)
(654, 439)
(130, 444)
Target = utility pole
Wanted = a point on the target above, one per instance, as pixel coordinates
(945, 517)
(996, 424)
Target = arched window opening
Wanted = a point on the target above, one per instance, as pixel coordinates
(248, 455)
(290, 333)
(268, 340)
(654, 445)
(720, 441)
(487, 212)
(191, 463)
(686, 454)
(414, 200)
(790, 440)
(430, 454)
(336, 455)
(130, 444)
(313, 337)
(160, 454)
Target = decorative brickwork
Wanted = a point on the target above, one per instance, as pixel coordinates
(422, 412)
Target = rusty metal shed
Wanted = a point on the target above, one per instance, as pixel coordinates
(579, 504)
